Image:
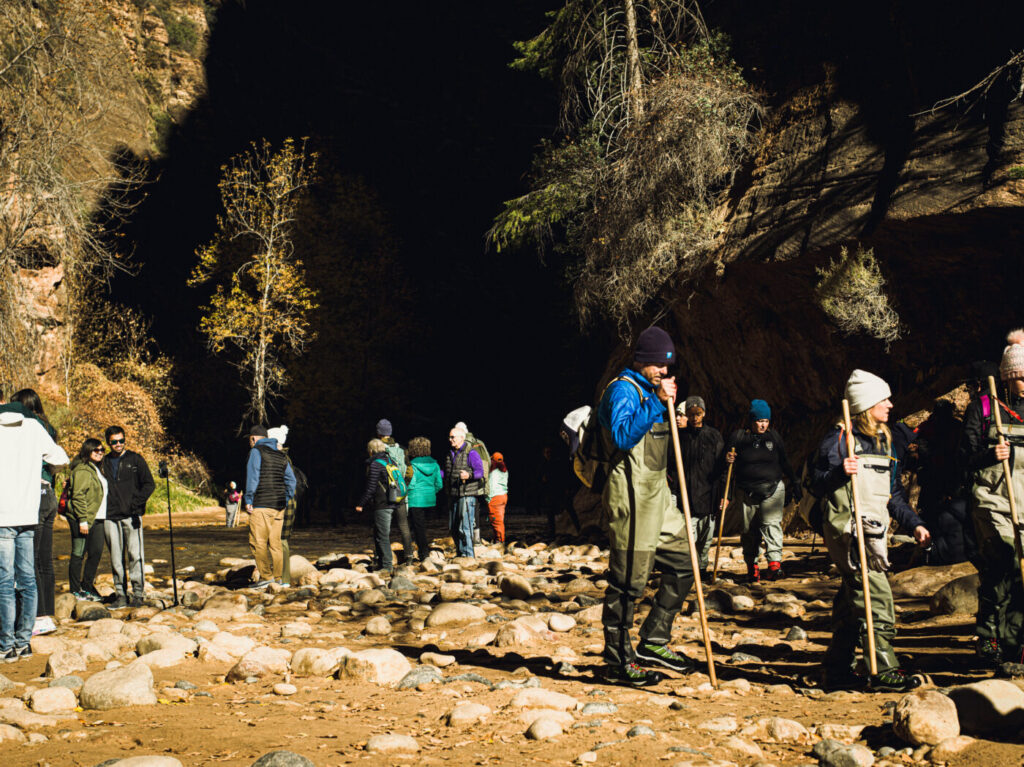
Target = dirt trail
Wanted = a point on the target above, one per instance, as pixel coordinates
(329, 721)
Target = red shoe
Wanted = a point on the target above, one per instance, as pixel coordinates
(774, 571)
(753, 574)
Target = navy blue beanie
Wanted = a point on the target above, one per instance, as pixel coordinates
(383, 428)
(654, 347)
(759, 410)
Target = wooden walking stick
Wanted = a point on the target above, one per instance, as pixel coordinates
(1007, 477)
(851, 453)
(694, 561)
(721, 522)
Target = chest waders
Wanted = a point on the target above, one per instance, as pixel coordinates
(1000, 599)
(849, 627)
(646, 530)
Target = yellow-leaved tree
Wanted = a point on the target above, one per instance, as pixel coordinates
(261, 304)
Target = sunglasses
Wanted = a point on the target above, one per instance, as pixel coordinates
(98, 450)
(116, 441)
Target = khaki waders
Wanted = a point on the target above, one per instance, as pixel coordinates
(646, 530)
(1000, 596)
(849, 627)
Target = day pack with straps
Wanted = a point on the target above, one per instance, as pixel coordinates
(592, 460)
(396, 488)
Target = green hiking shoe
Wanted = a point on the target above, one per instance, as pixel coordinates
(661, 655)
(631, 674)
(894, 680)
(989, 652)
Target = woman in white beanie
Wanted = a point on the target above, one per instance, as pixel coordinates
(1000, 601)
(874, 469)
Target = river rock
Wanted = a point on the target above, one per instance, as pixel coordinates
(538, 697)
(515, 634)
(275, 659)
(245, 669)
(742, 746)
(719, 724)
(777, 729)
(296, 630)
(957, 597)
(947, 749)
(392, 744)
(64, 605)
(166, 640)
(991, 706)
(378, 625)
(925, 717)
(47, 644)
(105, 626)
(923, 582)
(147, 760)
(466, 714)
(796, 634)
(437, 659)
(282, 759)
(544, 728)
(89, 611)
(130, 685)
(530, 715)
(232, 645)
(162, 658)
(832, 753)
(561, 623)
(418, 676)
(599, 707)
(516, 587)
(10, 734)
(454, 614)
(451, 592)
(71, 681)
(314, 661)
(63, 663)
(380, 666)
(50, 700)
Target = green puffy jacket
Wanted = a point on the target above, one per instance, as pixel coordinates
(86, 492)
(426, 483)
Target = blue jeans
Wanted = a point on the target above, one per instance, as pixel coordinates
(17, 586)
(382, 537)
(461, 520)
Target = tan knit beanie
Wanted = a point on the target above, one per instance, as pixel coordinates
(1012, 364)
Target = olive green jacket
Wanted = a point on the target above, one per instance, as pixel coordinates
(86, 492)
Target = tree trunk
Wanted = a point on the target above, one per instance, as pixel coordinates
(634, 82)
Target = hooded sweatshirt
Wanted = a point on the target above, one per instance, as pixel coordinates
(426, 482)
(24, 444)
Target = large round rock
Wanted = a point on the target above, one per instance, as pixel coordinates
(453, 614)
(991, 706)
(130, 685)
(925, 717)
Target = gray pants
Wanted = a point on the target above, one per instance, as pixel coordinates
(126, 554)
(704, 529)
(230, 513)
(762, 521)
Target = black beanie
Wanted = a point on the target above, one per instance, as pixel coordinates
(654, 347)
(258, 431)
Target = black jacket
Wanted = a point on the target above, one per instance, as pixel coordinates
(976, 452)
(702, 453)
(760, 459)
(375, 494)
(128, 491)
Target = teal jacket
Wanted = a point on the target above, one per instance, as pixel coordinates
(426, 482)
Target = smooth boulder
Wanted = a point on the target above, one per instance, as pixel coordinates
(925, 717)
(130, 685)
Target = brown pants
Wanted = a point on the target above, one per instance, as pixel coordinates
(265, 541)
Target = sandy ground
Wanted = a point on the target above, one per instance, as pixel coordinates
(329, 721)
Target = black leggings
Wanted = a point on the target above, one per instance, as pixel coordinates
(90, 548)
(418, 522)
(44, 551)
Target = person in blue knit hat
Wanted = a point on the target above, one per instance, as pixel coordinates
(760, 463)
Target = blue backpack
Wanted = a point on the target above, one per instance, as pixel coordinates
(396, 488)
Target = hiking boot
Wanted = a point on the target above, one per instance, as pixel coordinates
(774, 572)
(118, 602)
(894, 680)
(753, 574)
(632, 675)
(136, 601)
(834, 679)
(988, 651)
(661, 655)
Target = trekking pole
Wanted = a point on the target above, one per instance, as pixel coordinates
(170, 529)
(694, 562)
(869, 620)
(721, 522)
(1007, 478)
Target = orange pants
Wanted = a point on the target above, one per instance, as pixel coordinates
(497, 508)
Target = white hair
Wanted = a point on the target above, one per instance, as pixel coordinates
(460, 428)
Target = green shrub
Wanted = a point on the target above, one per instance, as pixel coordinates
(181, 33)
(852, 293)
(1016, 173)
(162, 126)
(182, 498)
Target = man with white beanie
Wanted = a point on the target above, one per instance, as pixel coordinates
(1000, 618)
(875, 469)
(24, 447)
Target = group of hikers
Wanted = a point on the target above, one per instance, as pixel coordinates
(103, 498)
(854, 477)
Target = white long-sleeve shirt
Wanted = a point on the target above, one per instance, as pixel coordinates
(24, 445)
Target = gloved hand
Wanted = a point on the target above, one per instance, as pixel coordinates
(136, 522)
(794, 493)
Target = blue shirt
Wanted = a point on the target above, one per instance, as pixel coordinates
(625, 415)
